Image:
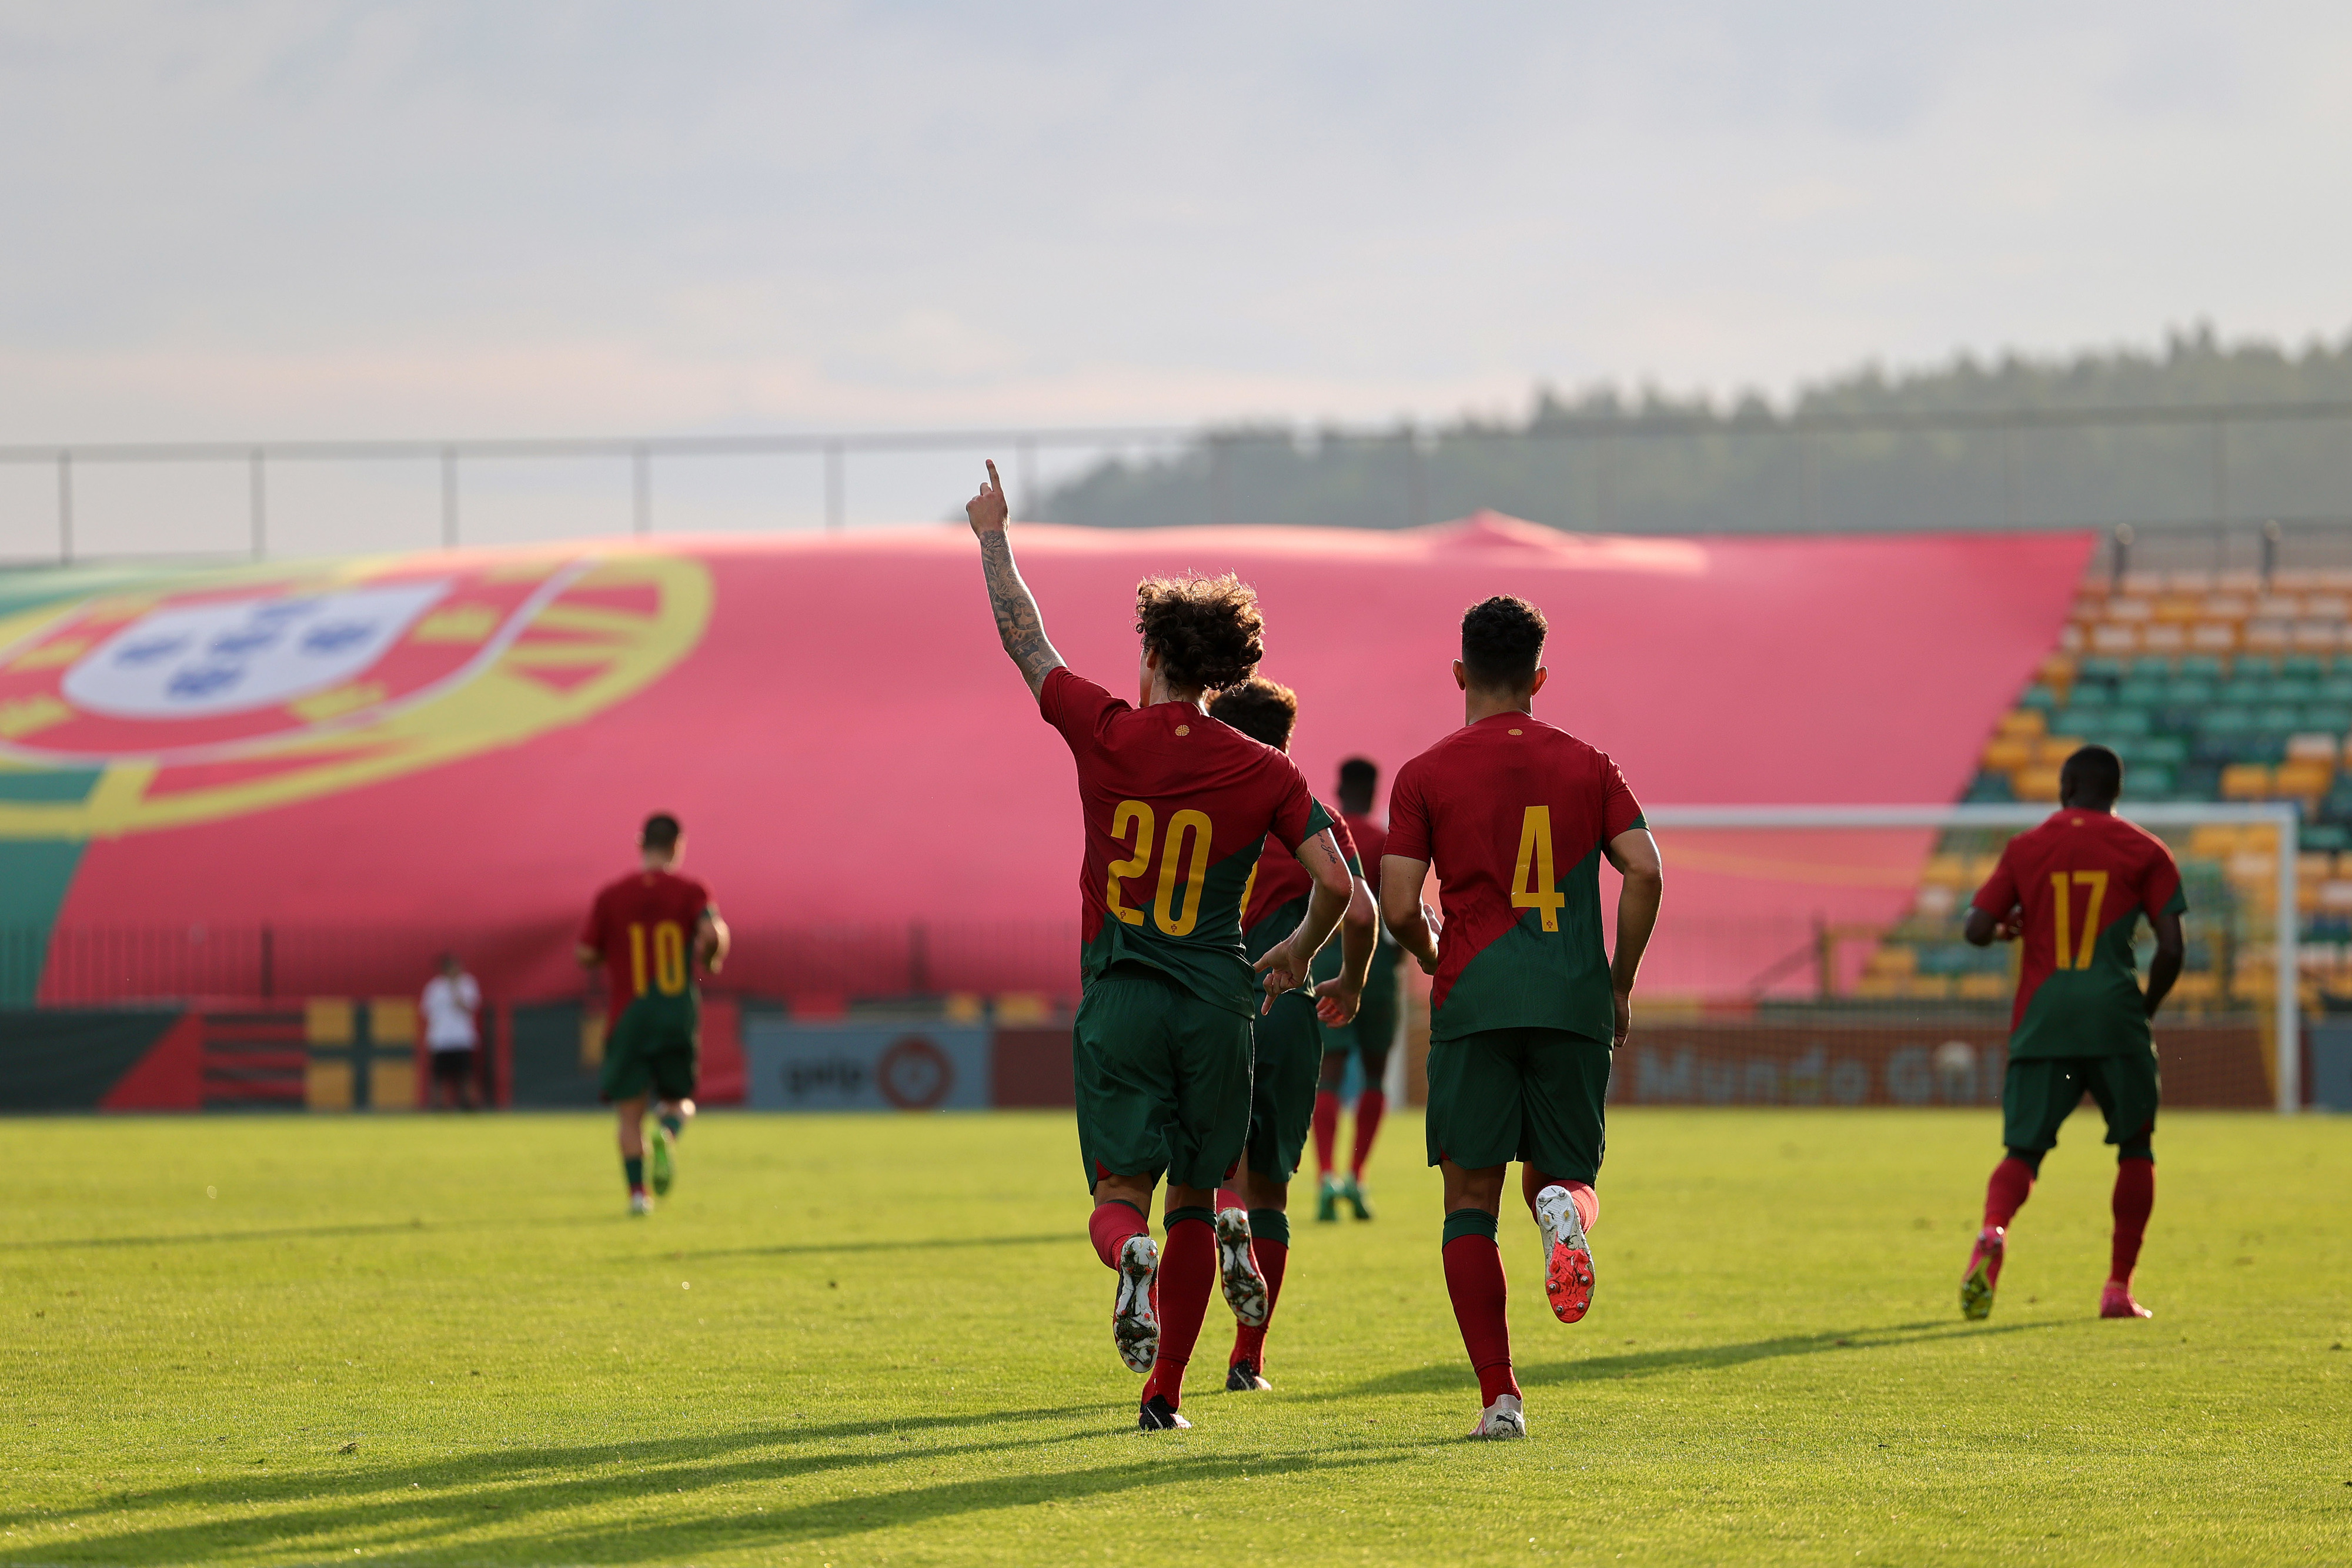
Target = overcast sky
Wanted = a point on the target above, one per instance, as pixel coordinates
(315, 218)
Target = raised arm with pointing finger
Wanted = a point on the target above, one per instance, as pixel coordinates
(1018, 626)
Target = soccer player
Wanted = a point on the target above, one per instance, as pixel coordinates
(1370, 1034)
(1253, 1221)
(2072, 890)
(1526, 1006)
(451, 999)
(1176, 806)
(649, 930)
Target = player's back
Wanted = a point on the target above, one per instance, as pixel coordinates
(1514, 813)
(644, 927)
(2081, 880)
(1176, 806)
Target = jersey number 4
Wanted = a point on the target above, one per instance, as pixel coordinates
(1533, 885)
(1176, 908)
(2061, 901)
(669, 958)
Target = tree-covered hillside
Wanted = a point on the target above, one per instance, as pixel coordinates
(2014, 441)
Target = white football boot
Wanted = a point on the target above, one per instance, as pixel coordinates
(1568, 1255)
(1237, 1271)
(1134, 1321)
(1503, 1419)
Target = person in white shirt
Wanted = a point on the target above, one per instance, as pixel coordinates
(450, 1001)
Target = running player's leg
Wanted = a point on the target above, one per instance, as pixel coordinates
(1208, 1056)
(1475, 1098)
(2037, 1094)
(1333, 1075)
(1126, 1096)
(2126, 1089)
(1563, 1139)
(1375, 1032)
(678, 1073)
(1283, 1090)
(628, 1084)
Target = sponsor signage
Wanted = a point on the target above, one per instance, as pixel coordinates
(834, 1066)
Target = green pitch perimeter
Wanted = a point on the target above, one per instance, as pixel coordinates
(886, 1341)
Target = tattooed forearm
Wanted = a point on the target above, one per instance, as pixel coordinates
(1018, 625)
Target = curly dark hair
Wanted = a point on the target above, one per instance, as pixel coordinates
(1501, 643)
(1206, 630)
(1262, 709)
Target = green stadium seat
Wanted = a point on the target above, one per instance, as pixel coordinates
(2228, 720)
(2260, 666)
(2327, 718)
(2309, 666)
(2151, 667)
(2292, 689)
(2140, 692)
(2242, 691)
(2038, 696)
(2337, 689)
(2090, 693)
(2150, 780)
(2275, 717)
(2099, 667)
(2200, 667)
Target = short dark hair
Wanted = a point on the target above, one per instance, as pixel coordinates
(2094, 772)
(1262, 709)
(1501, 643)
(1357, 778)
(1206, 630)
(661, 832)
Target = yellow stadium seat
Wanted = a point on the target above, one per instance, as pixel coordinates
(1942, 870)
(2007, 753)
(2053, 749)
(1895, 958)
(2299, 779)
(1929, 987)
(2025, 721)
(1982, 988)
(2214, 636)
(2035, 783)
(2246, 781)
(1980, 869)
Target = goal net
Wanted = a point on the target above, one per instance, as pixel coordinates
(1813, 956)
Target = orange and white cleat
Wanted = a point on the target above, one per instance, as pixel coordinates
(1984, 1273)
(2115, 1302)
(1568, 1255)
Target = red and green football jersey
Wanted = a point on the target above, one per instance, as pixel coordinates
(1275, 902)
(644, 927)
(2083, 879)
(1176, 805)
(1512, 814)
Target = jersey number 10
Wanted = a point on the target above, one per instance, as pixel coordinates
(2061, 902)
(669, 958)
(1533, 885)
(1177, 909)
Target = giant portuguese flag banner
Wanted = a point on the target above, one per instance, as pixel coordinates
(243, 771)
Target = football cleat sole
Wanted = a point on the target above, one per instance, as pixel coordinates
(1242, 1377)
(1159, 1416)
(1134, 1322)
(1503, 1421)
(663, 1171)
(1568, 1255)
(1237, 1271)
(1977, 1284)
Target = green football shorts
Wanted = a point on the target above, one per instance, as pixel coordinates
(2040, 1092)
(1373, 1029)
(1163, 1079)
(654, 1047)
(1532, 1094)
(1287, 1060)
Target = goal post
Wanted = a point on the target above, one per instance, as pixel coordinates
(2170, 820)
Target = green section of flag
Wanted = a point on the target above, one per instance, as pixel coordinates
(34, 877)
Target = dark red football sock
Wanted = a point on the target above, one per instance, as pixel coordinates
(1370, 1104)
(2005, 1193)
(1327, 1130)
(1228, 1199)
(1187, 1272)
(1474, 1279)
(1110, 1224)
(1249, 1344)
(1580, 1193)
(2135, 1195)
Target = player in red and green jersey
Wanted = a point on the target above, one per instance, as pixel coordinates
(1527, 1005)
(1369, 1035)
(649, 929)
(1253, 1220)
(1176, 806)
(2072, 890)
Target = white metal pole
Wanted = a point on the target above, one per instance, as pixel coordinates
(2289, 1076)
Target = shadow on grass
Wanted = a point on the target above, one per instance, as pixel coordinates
(1690, 1358)
(426, 1506)
(305, 1232)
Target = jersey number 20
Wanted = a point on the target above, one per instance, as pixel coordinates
(1177, 909)
(669, 958)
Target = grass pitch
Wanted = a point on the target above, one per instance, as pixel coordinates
(887, 1341)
